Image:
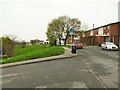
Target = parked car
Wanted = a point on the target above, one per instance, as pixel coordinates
(109, 46)
(79, 45)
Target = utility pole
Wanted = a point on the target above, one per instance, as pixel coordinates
(109, 32)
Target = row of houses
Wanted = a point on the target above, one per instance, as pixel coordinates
(37, 42)
(95, 36)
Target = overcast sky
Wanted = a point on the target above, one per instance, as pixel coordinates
(28, 19)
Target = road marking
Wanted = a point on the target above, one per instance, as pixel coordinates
(10, 75)
(41, 87)
(56, 84)
(96, 76)
(79, 85)
(8, 81)
(114, 62)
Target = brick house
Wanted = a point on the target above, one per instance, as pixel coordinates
(75, 37)
(109, 32)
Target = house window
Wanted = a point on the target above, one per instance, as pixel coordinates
(104, 28)
(101, 28)
(100, 32)
(108, 27)
(83, 34)
(91, 33)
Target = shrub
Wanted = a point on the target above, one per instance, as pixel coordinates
(8, 45)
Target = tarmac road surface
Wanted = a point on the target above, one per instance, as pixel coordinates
(92, 68)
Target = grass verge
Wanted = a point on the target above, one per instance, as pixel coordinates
(33, 52)
(68, 46)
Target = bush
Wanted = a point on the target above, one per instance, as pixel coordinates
(8, 46)
(33, 52)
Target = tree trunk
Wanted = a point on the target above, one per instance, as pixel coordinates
(55, 43)
(60, 41)
(65, 41)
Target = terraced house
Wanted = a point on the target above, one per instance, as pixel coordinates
(109, 32)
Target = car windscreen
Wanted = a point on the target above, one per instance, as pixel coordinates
(78, 42)
(109, 44)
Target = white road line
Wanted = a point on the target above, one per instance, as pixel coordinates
(79, 85)
(10, 75)
(114, 62)
(41, 87)
(97, 77)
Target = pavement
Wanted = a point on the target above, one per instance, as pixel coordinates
(67, 54)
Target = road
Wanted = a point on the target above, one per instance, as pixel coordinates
(92, 68)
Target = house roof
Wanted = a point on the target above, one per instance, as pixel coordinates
(104, 26)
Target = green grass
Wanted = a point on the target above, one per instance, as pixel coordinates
(27, 49)
(33, 52)
(68, 46)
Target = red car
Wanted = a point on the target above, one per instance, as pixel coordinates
(79, 45)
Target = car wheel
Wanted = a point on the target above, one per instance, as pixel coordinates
(106, 48)
(102, 48)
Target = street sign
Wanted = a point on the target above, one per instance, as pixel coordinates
(71, 31)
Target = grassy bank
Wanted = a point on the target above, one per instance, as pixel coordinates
(33, 52)
(68, 46)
